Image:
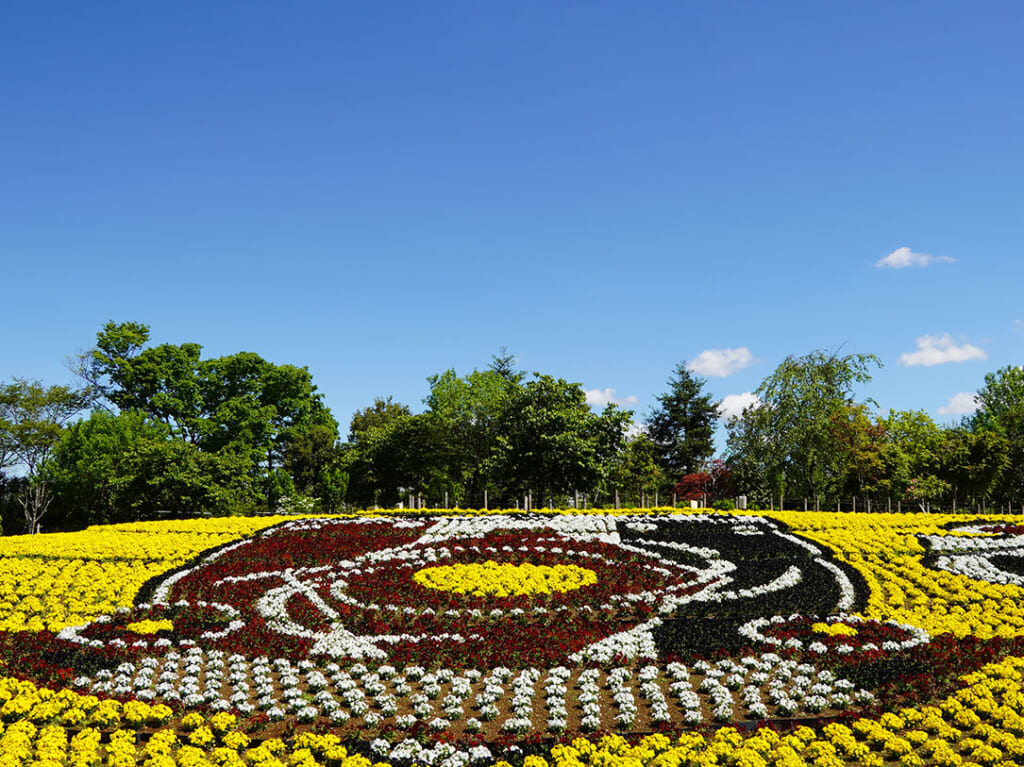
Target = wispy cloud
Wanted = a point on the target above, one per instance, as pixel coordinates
(938, 350)
(602, 397)
(1018, 325)
(904, 257)
(734, 404)
(721, 362)
(960, 404)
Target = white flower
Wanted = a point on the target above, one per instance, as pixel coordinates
(437, 724)
(815, 703)
(405, 721)
(786, 707)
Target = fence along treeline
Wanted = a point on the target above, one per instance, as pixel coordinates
(161, 430)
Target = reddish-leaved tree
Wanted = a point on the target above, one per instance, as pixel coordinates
(711, 485)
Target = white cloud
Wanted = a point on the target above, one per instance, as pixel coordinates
(1018, 325)
(634, 430)
(721, 362)
(904, 257)
(734, 404)
(960, 404)
(938, 350)
(602, 397)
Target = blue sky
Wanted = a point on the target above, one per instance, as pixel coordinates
(380, 191)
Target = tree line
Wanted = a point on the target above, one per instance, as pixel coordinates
(156, 430)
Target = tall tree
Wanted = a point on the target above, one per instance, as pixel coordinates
(682, 425)
(974, 461)
(467, 411)
(860, 445)
(97, 469)
(551, 443)
(124, 467)
(313, 458)
(504, 364)
(162, 381)
(238, 403)
(635, 471)
(380, 413)
(1001, 410)
(32, 418)
(914, 446)
(404, 456)
(787, 439)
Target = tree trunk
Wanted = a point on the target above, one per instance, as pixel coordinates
(34, 500)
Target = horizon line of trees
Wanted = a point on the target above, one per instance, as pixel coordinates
(161, 430)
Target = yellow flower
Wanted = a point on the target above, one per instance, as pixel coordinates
(222, 722)
(201, 736)
(136, 713)
(236, 740)
(192, 720)
(150, 626)
(834, 629)
(504, 578)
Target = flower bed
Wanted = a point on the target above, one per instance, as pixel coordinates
(476, 637)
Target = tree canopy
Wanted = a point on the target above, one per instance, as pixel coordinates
(32, 420)
(174, 432)
(788, 439)
(223, 431)
(682, 425)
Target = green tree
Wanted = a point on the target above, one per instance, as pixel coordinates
(313, 458)
(504, 364)
(164, 382)
(914, 456)
(381, 412)
(10, 398)
(467, 412)
(401, 457)
(974, 462)
(239, 404)
(635, 471)
(1001, 411)
(924, 490)
(125, 467)
(97, 468)
(551, 443)
(787, 439)
(682, 425)
(32, 419)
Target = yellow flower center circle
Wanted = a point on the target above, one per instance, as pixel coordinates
(504, 579)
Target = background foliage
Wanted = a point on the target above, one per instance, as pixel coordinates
(158, 431)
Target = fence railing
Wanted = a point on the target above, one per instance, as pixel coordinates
(892, 505)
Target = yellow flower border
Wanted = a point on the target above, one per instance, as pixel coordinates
(980, 724)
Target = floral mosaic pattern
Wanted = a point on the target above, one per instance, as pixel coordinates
(988, 552)
(491, 625)
(453, 640)
(348, 590)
